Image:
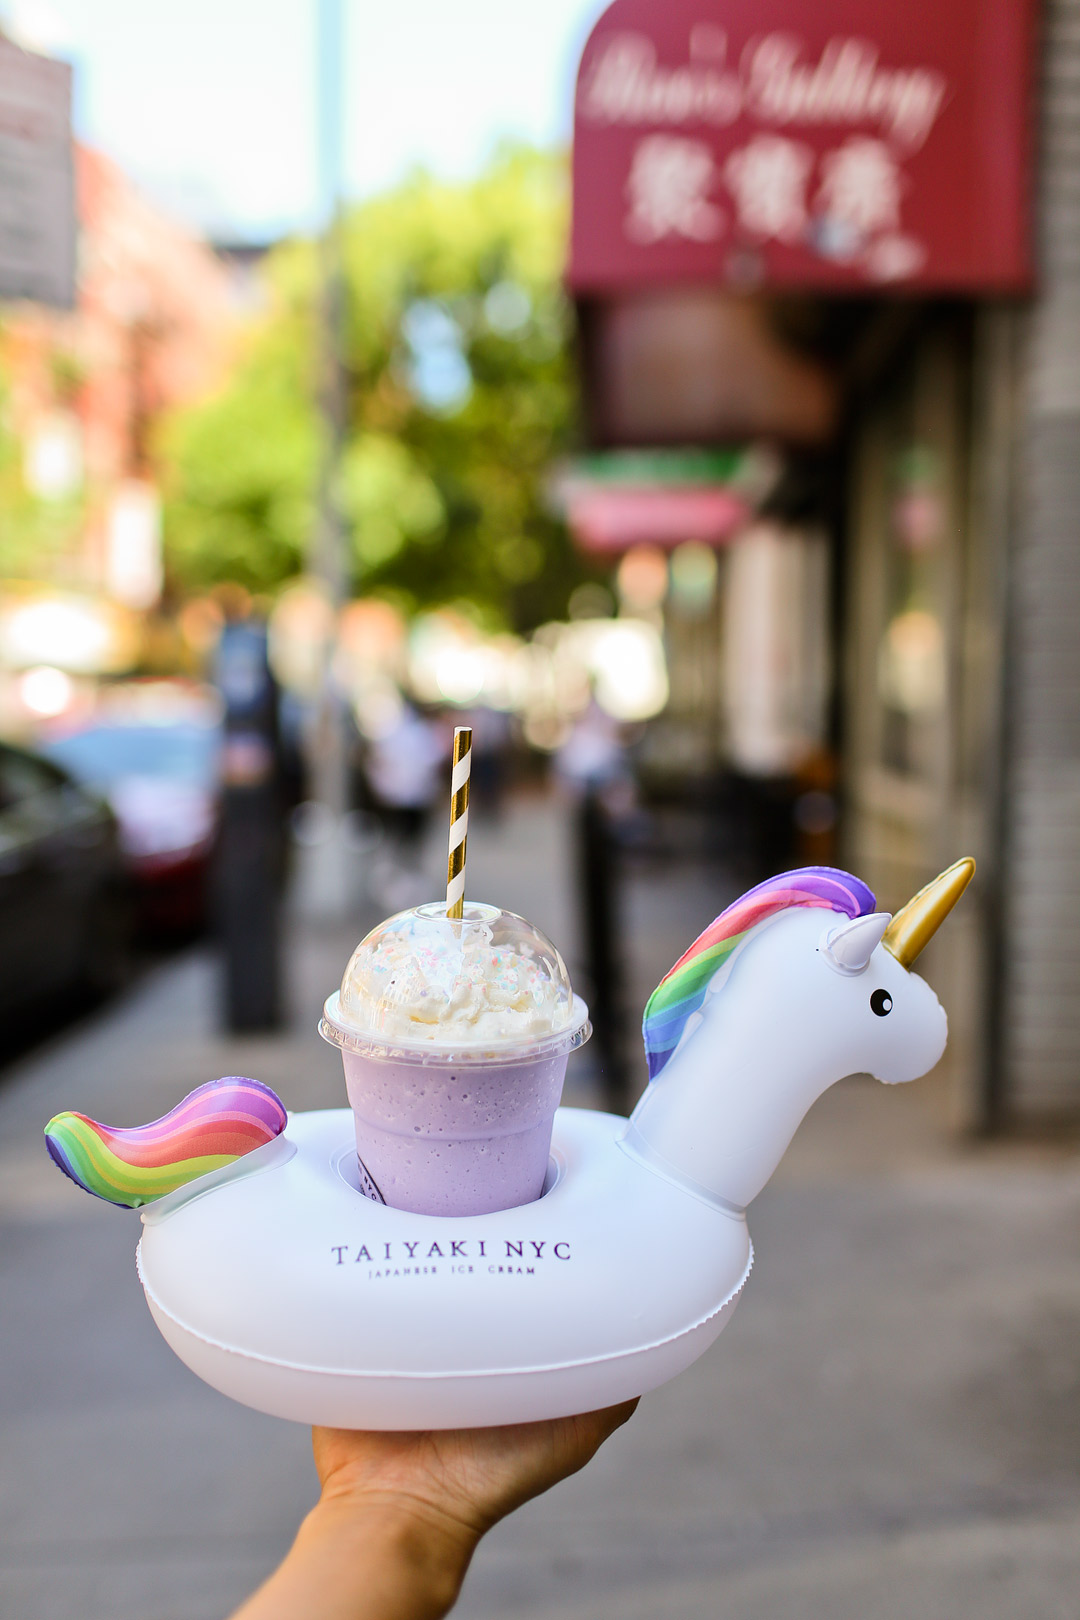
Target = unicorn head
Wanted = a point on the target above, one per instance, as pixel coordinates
(796, 985)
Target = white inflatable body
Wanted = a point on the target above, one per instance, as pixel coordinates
(282, 1286)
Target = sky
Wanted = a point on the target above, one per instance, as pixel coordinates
(211, 104)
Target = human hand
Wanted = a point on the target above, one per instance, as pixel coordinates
(469, 1478)
(399, 1515)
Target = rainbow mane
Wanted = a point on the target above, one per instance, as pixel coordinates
(682, 991)
(215, 1124)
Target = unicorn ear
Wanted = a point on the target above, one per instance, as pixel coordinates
(850, 946)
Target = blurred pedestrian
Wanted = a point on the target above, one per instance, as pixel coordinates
(592, 758)
(250, 855)
(491, 737)
(592, 763)
(404, 767)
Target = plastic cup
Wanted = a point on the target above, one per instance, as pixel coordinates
(455, 1037)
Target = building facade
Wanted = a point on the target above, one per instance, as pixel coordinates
(896, 211)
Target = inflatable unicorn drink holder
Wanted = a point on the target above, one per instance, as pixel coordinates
(278, 1282)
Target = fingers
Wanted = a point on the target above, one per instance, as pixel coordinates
(480, 1474)
(613, 1417)
(596, 1427)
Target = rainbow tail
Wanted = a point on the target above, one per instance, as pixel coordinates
(213, 1126)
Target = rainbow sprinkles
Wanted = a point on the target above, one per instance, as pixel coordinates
(681, 992)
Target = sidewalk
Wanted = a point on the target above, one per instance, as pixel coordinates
(890, 1426)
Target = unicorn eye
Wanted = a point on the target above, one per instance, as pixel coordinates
(881, 1003)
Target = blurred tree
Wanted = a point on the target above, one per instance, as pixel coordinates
(461, 393)
(36, 533)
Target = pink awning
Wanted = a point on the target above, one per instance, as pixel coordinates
(611, 519)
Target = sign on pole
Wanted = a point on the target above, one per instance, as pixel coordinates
(37, 183)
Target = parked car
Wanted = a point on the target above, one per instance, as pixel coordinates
(158, 769)
(64, 906)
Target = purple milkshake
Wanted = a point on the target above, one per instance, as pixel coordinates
(455, 1037)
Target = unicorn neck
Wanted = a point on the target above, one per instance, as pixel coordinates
(720, 1115)
(638, 1147)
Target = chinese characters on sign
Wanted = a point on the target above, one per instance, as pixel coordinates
(854, 216)
(768, 178)
(668, 188)
(832, 144)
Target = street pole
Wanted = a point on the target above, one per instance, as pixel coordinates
(327, 762)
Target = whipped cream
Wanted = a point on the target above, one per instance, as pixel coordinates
(420, 978)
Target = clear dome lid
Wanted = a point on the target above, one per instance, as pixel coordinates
(487, 984)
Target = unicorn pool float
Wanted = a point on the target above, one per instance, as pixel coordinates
(275, 1278)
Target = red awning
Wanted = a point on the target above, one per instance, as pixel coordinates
(832, 144)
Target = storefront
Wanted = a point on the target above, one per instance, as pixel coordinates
(813, 229)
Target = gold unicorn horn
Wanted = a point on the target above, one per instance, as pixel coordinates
(916, 923)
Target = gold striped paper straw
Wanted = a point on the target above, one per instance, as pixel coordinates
(459, 821)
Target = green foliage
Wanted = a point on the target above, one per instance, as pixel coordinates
(461, 392)
(35, 534)
(240, 470)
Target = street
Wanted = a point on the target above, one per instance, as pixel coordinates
(890, 1426)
